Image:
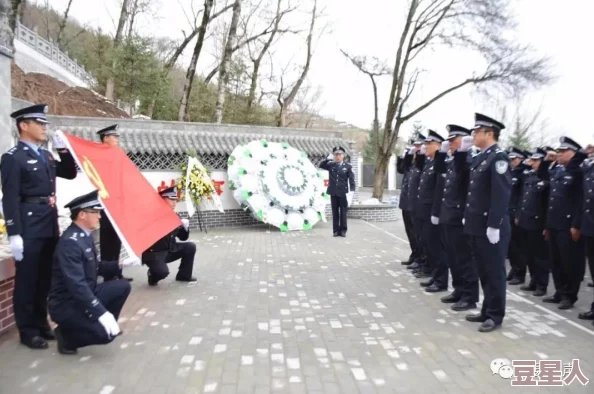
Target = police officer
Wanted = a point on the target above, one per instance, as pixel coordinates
(516, 253)
(417, 157)
(456, 245)
(530, 221)
(403, 166)
(110, 244)
(588, 221)
(86, 312)
(486, 221)
(430, 232)
(341, 179)
(29, 187)
(564, 219)
(167, 249)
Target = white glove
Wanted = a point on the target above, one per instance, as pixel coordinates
(423, 149)
(16, 247)
(58, 142)
(445, 146)
(493, 235)
(185, 223)
(463, 221)
(330, 157)
(412, 150)
(434, 220)
(466, 144)
(110, 324)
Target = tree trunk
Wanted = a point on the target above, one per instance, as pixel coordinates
(254, 84)
(379, 181)
(183, 104)
(63, 24)
(13, 13)
(151, 107)
(282, 117)
(110, 85)
(223, 74)
(132, 17)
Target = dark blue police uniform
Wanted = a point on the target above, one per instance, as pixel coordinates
(588, 224)
(486, 210)
(564, 213)
(531, 217)
(431, 234)
(456, 245)
(341, 178)
(517, 250)
(29, 196)
(76, 300)
(167, 250)
(403, 166)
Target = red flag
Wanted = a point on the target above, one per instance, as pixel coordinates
(139, 215)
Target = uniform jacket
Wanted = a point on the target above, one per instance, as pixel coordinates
(532, 206)
(340, 178)
(566, 195)
(74, 276)
(455, 189)
(489, 191)
(413, 183)
(517, 175)
(403, 167)
(588, 213)
(428, 186)
(24, 174)
(168, 242)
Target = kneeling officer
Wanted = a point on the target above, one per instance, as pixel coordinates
(86, 312)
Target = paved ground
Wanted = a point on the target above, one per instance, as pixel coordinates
(296, 313)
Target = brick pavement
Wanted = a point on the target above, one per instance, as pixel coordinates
(300, 313)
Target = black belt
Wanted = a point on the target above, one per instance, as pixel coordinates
(35, 200)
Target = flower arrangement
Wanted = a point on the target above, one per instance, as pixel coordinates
(200, 186)
(2, 228)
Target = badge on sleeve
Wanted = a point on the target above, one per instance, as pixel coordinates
(501, 167)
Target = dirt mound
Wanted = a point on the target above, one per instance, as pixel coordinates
(62, 99)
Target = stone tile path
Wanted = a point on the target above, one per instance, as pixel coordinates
(302, 313)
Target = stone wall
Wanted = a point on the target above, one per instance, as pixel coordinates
(374, 213)
(6, 312)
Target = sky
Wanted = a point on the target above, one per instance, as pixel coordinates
(555, 29)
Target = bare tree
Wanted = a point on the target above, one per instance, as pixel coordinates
(62, 24)
(223, 75)
(527, 129)
(110, 85)
(306, 107)
(372, 67)
(285, 101)
(478, 25)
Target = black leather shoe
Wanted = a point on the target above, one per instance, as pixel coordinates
(421, 275)
(488, 326)
(475, 318)
(527, 288)
(337, 234)
(408, 262)
(62, 349)
(461, 306)
(539, 292)
(151, 281)
(48, 334)
(413, 266)
(551, 300)
(590, 284)
(516, 281)
(435, 289)
(450, 299)
(426, 283)
(586, 315)
(565, 304)
(343, 234)
(190, 279)
(35, 342)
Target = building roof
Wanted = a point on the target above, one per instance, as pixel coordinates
(145, 136)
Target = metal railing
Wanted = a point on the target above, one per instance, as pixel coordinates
(50, 50)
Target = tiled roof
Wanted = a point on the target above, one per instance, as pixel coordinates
(142, 136)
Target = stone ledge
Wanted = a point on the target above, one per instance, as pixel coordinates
(377, 206)
(374, 213)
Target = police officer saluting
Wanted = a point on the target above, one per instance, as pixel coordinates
(516, 253)
(110, 244)
(341, 179)
(29, 187)
(86, 312)
(564, 219)
(403, 166)
(486, 221)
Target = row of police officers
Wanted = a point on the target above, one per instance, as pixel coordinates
(468, 205)
(60, 272)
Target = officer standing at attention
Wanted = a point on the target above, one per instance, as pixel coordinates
(29, 187)
(416, 160)
(486, 221)
(564, 219)
(110, 244)
(86, 312)
(403, 166)
(341, 178)
(456, 245)
(167, 249)
(430, 232)
(588, 221)
(530, 219)
(516, 253)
